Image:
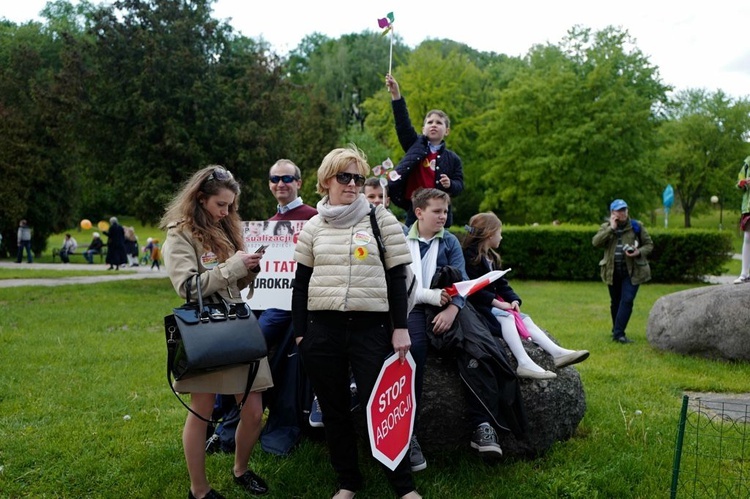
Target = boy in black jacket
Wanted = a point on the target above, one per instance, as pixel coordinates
(428, 162)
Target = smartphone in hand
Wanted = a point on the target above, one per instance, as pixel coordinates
(261, 249)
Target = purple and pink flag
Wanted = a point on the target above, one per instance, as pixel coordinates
(386, 23)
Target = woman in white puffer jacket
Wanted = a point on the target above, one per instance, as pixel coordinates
(344, 310)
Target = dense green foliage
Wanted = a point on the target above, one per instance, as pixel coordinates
(565, 253)
(703, 145)
(577, 127)
(38, 182)
(106, 108)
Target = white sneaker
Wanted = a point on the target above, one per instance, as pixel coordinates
(571, 358)
(742, 279)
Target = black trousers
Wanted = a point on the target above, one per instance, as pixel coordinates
(334, 341)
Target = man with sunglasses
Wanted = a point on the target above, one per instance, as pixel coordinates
(282, 431)
(284, 180)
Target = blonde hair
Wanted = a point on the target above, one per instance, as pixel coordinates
(188, 213)
(479, 231)
(337, 161)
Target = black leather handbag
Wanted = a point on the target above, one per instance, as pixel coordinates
(203, 337)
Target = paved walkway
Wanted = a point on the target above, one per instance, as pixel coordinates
(112, 275)
(146, 273)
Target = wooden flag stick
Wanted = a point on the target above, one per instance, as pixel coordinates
(390, 57)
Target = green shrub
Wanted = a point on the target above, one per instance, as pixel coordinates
(566, 253)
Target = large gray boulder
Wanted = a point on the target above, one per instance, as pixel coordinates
(710, 321)
(554, 408)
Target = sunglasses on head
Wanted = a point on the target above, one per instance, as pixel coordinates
(344, 178)
(220, 174)
(287, 179)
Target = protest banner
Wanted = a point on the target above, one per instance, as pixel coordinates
(277, 267)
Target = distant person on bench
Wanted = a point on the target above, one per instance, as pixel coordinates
(69, 246)
(95, 248)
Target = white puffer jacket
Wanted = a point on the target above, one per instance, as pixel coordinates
(347, 272)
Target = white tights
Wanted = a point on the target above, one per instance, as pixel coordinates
(746, 255)
(513, 339)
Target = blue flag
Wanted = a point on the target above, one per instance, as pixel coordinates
(668, 197)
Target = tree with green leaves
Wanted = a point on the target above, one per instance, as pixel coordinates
(38, 184)
(573, 130)
(161, 88)
(347, 70)
(703, 140)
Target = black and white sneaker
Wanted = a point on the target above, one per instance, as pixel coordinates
(316, 415)
(354, 404)
(212, 444)
(416, 458)
(484, 440)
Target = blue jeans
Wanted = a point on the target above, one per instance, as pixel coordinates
(274, 323)
(27, 245)
(89, 255)
(622, 295)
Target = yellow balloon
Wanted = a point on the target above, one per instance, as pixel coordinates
(103, 225)
(85, 224)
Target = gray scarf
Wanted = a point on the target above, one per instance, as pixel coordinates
(345, 215)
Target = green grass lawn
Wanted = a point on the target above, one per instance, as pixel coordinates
(24, 273)
(77, 360)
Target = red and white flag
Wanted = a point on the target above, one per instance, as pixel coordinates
(465, 288)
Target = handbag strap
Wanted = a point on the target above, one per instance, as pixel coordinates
(229, 308)
(251, 374)
(204, 315)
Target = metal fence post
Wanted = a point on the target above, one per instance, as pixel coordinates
(678, 446)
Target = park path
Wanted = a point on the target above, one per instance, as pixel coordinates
(140, 272)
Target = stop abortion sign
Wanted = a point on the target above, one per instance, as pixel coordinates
(391, 410)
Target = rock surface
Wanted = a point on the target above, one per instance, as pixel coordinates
(711, 321)
(554, 408)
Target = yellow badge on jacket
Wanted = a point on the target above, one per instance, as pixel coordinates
(209, 260)
(360, 253)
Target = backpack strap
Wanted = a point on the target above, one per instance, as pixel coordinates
(411, 284)
(636, 225)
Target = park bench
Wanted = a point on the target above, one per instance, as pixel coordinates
(79, 252)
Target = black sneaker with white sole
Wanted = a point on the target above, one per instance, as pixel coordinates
(484, 440)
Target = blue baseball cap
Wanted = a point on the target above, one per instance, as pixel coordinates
(617, 204)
